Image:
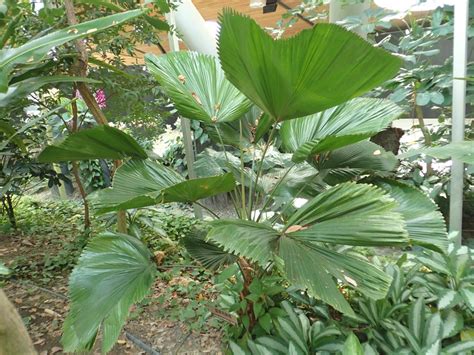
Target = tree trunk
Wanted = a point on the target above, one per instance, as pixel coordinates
(14, 338)
(77, 175)
(10, 210)
(81, 70)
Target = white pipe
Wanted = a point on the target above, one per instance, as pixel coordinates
(461, 11)
(193, 29)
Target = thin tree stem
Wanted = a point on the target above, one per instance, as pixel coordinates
(260, 168)
(81, 70)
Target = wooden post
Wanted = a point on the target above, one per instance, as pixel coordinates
(14, 338)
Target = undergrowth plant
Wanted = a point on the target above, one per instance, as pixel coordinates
(289, 130)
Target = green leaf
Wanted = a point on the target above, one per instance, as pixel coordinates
(207, 253)
(270, 343)
(236, 350)
(352, 346)
(101, 142)
(255, 241)
(424, 222)
(292, 335)
(25, 87)
(136, 184)
(437, 98)
(416, 319)
(160, 25)
(197, 189)
(337, 127)
(350, 214)
(141, 183)
(197, 86)
(433, 329)
(362, 156)
(105, 3)
(462, 347)
(423, 98)
(11, 136)
(312, 71)
(448, 299)
(12, 133)
(453, 323)
(463, 151)
(303, 269)
(113, 272)
(358, 273)
(3, 269)
(37, 48)
(467, 293)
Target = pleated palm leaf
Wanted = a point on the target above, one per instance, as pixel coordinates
(312, 71)
(337, 127)
(197, 85)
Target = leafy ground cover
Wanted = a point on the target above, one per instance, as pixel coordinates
(42, 251)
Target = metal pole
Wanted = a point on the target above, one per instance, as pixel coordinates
(185, 123)
(461, 11)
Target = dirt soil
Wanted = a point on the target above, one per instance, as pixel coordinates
(44, 307)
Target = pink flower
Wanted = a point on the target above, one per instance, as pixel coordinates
(100, 98)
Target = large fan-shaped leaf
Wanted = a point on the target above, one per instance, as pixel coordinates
(136, 184)
(197, 85)
(207, 253)
(101, 142)
(197, 189)
(337, 127)
(255, 241)
(361, 156)
(424, 222)
(463, 151)
(310, 72)
(303, 269)
(350, 214)
(113, 272)
(141, 183)
(302, 259)
(37, 48)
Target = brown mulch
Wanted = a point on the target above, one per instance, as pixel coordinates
(43, 310)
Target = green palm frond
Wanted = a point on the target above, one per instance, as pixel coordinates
(337, 127)
(113, 272)
(101, 142)
(312, 71)
(197, 86)
(424, 222)
(141, 183)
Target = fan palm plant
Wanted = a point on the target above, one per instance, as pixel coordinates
(258, 98)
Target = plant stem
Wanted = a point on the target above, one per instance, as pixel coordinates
(260, 168)
(207, 209)
(234, 199)
(295, 197)
(269, 198)
(424, 131)
(244, 207)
